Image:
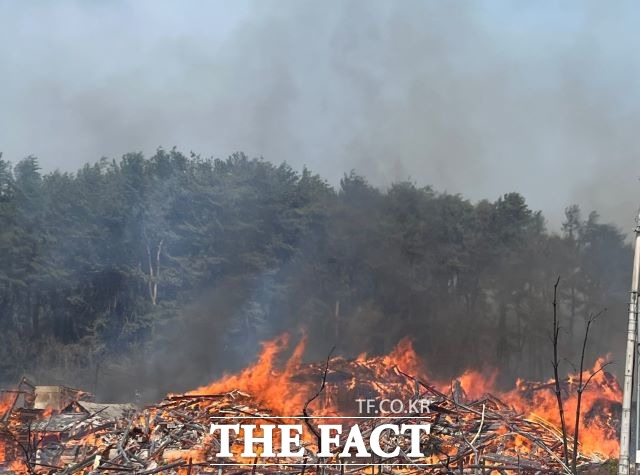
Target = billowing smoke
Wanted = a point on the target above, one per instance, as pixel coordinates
(479, 98)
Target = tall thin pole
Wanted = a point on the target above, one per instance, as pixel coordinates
(625, 425)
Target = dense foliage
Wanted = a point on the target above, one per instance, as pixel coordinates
(159, 273)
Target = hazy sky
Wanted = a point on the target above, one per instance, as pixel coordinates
(475, 97)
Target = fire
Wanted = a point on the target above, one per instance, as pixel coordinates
(283, 391)
(598, 428)
(280, 383)
(6, 403)
(404, 357)
(271, 385)
(598, 432)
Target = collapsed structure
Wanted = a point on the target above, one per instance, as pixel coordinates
(469, 433)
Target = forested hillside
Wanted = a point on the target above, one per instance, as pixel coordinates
(157, 274)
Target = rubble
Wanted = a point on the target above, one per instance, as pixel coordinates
(472, 431)
(173, 437)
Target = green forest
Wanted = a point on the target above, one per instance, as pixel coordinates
(157, 274)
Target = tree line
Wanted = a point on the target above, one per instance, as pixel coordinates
(158, 273)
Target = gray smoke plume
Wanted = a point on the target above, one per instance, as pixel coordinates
(479, 98)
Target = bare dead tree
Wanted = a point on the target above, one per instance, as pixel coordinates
(581, 389)
(305, 411)
(555, 363)
(153, 267)
(582, 385)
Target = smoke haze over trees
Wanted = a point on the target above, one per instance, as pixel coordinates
(158, 274)
(479, 98)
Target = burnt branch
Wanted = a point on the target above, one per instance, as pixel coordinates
(305, 411)
(582, 387)
(556, 377)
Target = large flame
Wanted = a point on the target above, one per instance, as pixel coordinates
(597, 431)
(272, 384)
(281, 384)
(281, 388)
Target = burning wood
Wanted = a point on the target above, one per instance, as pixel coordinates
(471, 431)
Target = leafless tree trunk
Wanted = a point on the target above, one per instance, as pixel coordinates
(154, 269)
(581, 388)
(556, 333)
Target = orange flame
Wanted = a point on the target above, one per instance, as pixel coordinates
(272, 386)
(284, 392)
(282, 384)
